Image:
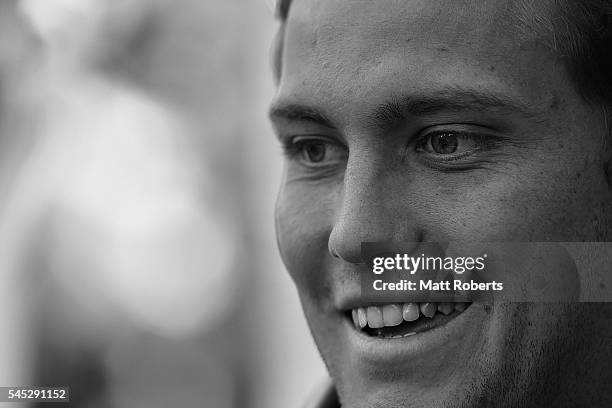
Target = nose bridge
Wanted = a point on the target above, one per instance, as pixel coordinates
(368, 210)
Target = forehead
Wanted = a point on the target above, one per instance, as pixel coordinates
(337, 51)
(393, 24)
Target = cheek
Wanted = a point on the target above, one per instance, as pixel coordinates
(518, 340)
(528, 204)
(303, 223)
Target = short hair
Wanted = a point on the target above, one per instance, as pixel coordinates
(282, 11)
(579, 32)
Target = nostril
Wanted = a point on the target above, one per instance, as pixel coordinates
(333, 253)
(352, 257)
(344, 241)
(348, 251)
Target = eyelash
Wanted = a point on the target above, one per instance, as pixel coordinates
(291, 148)
(294, 146)
(483, 143)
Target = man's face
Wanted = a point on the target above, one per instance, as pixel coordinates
(432, 120)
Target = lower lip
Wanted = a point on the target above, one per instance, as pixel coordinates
(385, 351)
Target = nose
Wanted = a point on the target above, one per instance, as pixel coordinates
(375, 206)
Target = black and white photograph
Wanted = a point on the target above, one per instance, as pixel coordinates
(306, 203)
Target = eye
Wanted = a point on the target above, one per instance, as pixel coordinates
(449, 145)
(444, 143)
(314, 151)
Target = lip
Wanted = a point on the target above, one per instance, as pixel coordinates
(384, 351)
(354, 299)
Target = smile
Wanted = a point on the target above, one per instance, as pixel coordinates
(394, 321)
(404, 335)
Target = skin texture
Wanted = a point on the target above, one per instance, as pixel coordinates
(535, 171)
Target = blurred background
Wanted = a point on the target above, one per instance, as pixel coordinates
(138, 176)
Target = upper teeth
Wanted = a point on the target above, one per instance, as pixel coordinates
(394, 314)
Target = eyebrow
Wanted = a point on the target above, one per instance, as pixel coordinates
(300, 113)
(399, 108)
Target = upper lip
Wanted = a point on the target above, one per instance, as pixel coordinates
(351, 302)
(354, 300)
(350, 295)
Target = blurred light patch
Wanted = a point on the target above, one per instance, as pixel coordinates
(137, 176)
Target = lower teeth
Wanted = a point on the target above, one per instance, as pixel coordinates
(397, 336)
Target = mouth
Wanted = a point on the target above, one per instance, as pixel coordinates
(397, 321)
(412, 337)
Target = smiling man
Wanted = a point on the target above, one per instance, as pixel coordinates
(434, 121)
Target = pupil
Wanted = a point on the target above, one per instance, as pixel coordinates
(444, 144)
(315, 152)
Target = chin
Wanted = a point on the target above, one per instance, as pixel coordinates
(483, 355)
